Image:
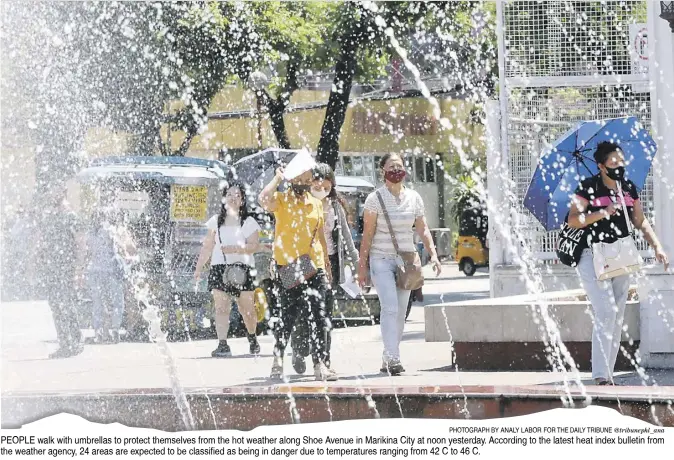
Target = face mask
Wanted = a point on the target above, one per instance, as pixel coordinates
(319, 194)
(300, 188)
(395, 176)
(616, 173)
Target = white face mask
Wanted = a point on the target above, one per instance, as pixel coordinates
(319, 194)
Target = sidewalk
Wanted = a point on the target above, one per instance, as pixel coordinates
(124, 383)
(28, 337)
(450, 271)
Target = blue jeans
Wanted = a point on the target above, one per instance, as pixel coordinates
(393, 303)
(107, 294)
(608, 299)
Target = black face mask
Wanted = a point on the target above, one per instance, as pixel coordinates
(616, 173)
(300, 188)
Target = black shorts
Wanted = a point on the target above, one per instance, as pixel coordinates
(215, 281)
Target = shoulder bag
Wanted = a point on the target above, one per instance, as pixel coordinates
(571, 243)
(620, 257)
(300, 270)
(234, 275)
(409, 275)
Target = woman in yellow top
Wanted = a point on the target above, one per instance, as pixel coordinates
(298, 232)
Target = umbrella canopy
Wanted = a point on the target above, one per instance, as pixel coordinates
(257, 170)
(570, 160)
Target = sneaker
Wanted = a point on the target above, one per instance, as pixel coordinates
(393, 367)
(324, 373)
(67, 351)
(277, 369)
(254, 345)
(298, 363)
(223, 350)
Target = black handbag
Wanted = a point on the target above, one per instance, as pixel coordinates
(234, 275)
(571, 243)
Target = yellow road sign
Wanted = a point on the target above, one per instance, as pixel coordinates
(189, 203)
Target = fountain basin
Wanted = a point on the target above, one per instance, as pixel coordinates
(245, 408)
(507, 333)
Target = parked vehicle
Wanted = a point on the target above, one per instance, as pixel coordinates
(472, 250)
(165, 202)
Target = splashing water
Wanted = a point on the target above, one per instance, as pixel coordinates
(151, 315)
(550, 333)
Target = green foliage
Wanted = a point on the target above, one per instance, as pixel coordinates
(119, 64)
(465, 196)
(123, 64)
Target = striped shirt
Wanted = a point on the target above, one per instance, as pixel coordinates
(402, 211)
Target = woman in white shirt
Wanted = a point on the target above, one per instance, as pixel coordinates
(406, 210)
(233, 238)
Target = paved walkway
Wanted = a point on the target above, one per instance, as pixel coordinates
(28, 336)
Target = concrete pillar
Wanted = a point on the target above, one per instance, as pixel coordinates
(656, 289)
(494, 188)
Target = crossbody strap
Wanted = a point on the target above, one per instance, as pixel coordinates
(630, 229)
(388, 221)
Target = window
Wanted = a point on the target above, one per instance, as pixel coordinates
(339, 169)
(348, 168)
(357, 162)
(430, 169)
(419, 169)
(377, 159)
(368, 169)
(409, 167)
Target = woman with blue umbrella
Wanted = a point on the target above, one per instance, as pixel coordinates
(597, 208)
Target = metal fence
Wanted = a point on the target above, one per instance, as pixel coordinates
(563, 62)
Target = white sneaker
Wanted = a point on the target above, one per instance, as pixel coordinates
(324, 373)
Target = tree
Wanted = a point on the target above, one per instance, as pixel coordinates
(118, 65)
(167, 52)
(352, 39)
(294, 35)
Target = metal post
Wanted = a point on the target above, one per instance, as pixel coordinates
(504, 155)
(259, 122)
(494, 191)
(656, 291)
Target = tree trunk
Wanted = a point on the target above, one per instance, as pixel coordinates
(345, 69)
(276, 110)
(278, 106)
(185, 145)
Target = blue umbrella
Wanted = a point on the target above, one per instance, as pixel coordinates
(570, 160)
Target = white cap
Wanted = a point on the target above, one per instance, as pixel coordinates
(301, 163)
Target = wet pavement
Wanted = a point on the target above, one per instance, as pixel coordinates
(96, 379)
(28, 337)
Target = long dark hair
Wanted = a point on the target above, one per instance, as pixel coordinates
(324, 171)
(243, 210)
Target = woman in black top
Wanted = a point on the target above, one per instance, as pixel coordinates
(596, 206)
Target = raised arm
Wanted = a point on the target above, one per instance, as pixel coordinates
(579, 219)
(266, 198)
